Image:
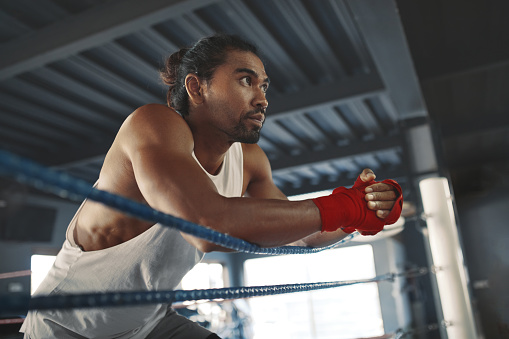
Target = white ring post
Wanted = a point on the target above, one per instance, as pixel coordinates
(447, 258)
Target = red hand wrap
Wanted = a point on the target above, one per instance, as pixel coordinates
(347, 209)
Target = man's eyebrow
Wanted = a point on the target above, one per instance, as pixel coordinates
(250, 71)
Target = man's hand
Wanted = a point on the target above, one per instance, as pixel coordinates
(346, 208)
(380, 196)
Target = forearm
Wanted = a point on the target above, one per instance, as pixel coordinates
(275, 235)
(265, 222)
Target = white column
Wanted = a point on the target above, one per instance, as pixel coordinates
(447, 258)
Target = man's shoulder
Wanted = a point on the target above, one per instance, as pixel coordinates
(154, 116)
(153, 124)
(155, 111)
(251, 149)
(252, 152)
(254, 157)
(156, 107)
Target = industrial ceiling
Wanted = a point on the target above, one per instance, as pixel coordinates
(344, 86)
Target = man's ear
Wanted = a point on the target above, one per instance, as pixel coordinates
(194, 88)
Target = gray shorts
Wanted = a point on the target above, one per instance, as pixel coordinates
(175, 326)
(171, 326)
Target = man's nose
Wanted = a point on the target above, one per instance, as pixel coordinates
(261, 100)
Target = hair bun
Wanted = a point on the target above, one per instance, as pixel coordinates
(170, 72)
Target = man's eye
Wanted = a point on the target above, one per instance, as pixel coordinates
(246, 81)
(265, 87)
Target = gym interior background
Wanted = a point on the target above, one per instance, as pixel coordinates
(412, 89)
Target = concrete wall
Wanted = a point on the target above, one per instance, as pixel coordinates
(484, 224)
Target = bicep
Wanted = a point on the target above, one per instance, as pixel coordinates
(265, 189)
(257, 168)
(180, 188)
(170, 181)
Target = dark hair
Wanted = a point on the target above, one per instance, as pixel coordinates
(202, 59)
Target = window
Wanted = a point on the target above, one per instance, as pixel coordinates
(310, 195)
(212, 315)
(40, 265)
(204, 276)
(341, 312)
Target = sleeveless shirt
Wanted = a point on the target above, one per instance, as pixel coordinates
(157, 259)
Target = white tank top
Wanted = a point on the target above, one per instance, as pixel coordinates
(229, 180)
(131, 266)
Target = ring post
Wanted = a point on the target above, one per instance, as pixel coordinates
(448, 259)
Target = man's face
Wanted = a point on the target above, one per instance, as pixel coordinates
(236, 97)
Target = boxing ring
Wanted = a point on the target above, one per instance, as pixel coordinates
(65, 186)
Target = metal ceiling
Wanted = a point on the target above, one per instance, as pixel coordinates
(349, 78)
(342, 79)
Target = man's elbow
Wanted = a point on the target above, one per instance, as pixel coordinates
(300, 243)
(207, 247)
(200, 244)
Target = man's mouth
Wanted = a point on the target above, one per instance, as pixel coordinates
(257, 118)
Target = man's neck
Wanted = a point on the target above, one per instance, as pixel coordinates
(210, 152)
(210, 144)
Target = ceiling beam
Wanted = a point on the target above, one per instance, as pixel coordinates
(497, 66)
(287, 162)
(381, 28)
(70, 156)
(478, 159)
(95, 27)
(488, 123)
(398, 174)
(254, 30)
(313, 98)
(316, 97)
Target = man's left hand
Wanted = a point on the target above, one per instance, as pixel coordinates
(381, 197)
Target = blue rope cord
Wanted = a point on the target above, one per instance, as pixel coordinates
(71, 188)
(22, 304)
(66, 186)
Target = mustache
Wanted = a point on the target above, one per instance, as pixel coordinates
(257, 110)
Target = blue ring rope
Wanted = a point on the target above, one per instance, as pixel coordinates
(24, 303)
(66, 186)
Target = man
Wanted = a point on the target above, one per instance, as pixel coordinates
(194, 159)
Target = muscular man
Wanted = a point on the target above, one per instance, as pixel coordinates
(195, 158)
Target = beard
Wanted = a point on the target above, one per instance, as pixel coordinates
(240, 129)
(241, 133)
